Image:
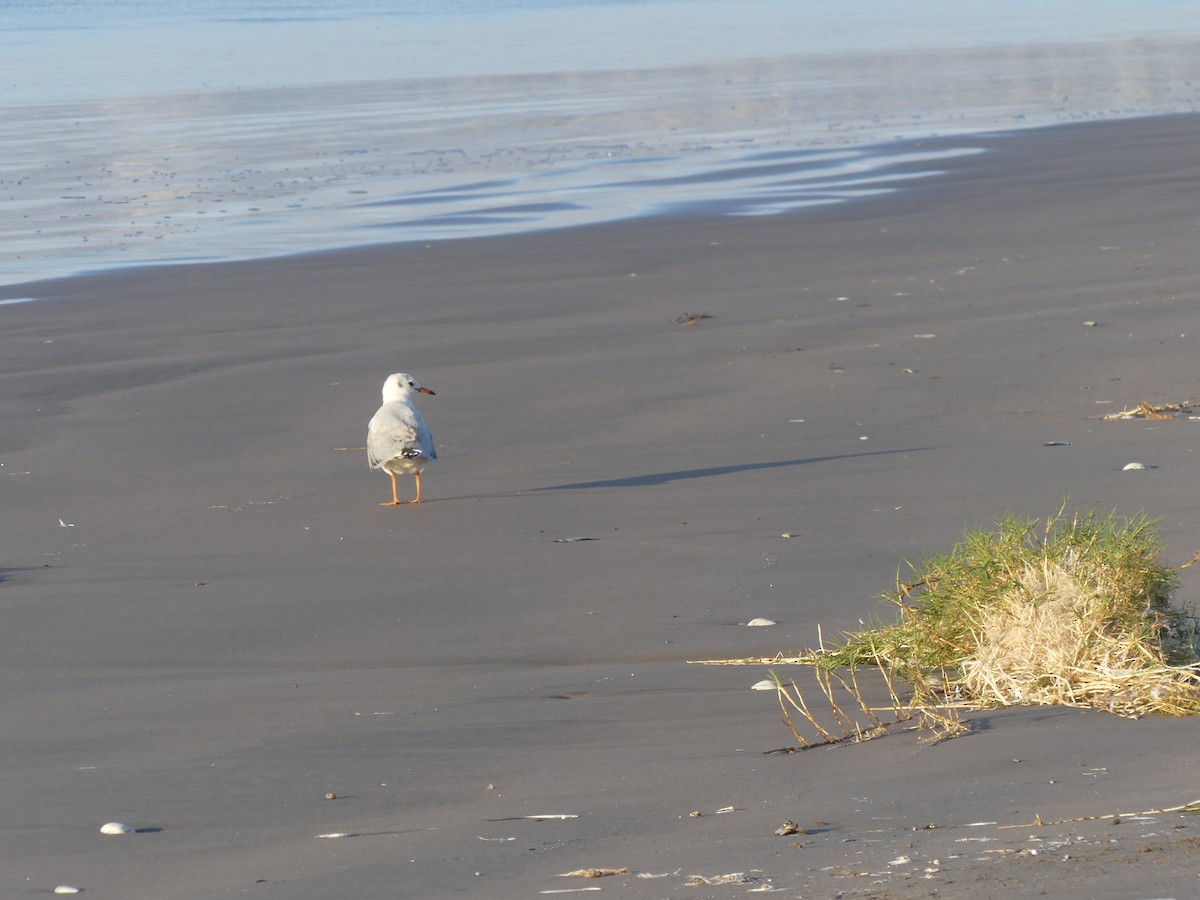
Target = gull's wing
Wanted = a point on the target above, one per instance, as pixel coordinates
(397, 430)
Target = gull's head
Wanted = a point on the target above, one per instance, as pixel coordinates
(400, 386)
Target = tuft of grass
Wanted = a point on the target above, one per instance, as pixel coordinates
(1075, 610)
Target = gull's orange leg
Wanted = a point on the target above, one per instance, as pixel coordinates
(395, 501)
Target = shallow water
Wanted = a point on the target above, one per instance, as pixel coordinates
(137, 133)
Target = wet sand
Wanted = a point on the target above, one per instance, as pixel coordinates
(210, 623)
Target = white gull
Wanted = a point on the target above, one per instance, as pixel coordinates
(397, 439)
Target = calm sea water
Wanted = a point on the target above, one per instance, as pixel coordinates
(147, 131)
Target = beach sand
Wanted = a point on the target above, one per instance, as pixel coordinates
(210, 623)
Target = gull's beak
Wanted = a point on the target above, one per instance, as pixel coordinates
(424, 390)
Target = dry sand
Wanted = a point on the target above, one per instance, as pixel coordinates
(226, 626)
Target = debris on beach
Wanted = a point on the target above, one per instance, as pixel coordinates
(1145, 410)
(575, 539)
(600, 872)
(765, 685)
(731, 878)
(1136, 466)
(68, 889)
(1192, 806)
(760, 622)
(690, 318)
(789, 827)
(115, 828)
(359, 834)
(854, 873)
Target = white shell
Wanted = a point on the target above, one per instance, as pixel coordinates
(765, 685)
(1134, 465)
(67, 889)
(115, 828)
(760, 622)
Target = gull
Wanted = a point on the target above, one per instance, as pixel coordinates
(397, 440)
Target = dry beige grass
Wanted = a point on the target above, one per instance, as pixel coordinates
(1053, 639)
(850, 718)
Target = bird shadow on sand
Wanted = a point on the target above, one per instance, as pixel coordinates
(658, 478)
